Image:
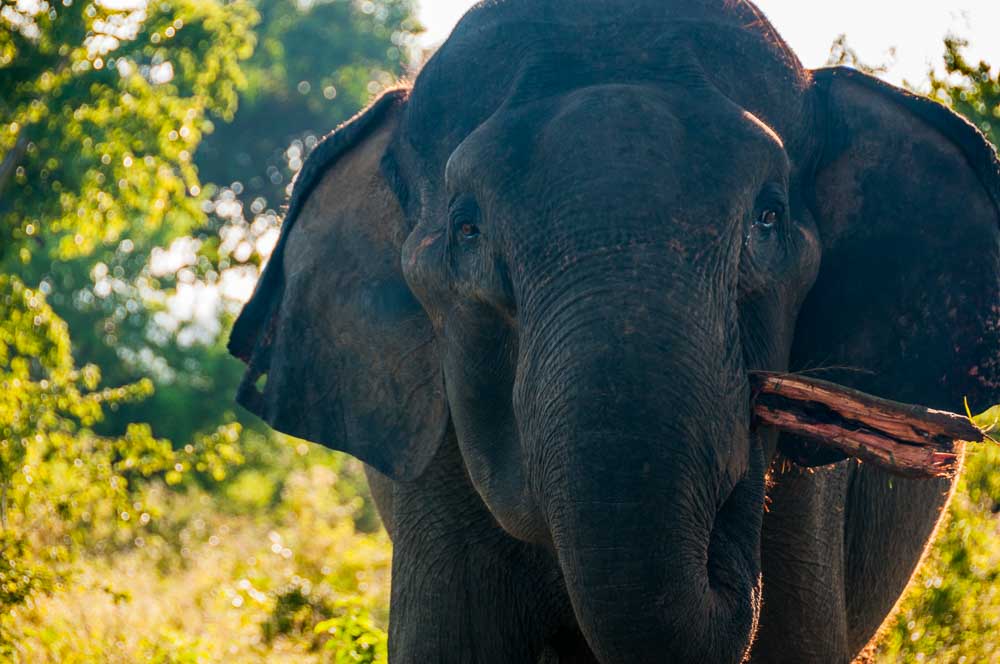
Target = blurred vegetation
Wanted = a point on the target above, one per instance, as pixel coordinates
(145, 149)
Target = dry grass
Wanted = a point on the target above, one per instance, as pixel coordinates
(210, 590)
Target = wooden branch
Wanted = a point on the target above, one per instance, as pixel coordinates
(902, 439)
(12, 159)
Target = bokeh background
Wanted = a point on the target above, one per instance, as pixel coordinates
(146, 150)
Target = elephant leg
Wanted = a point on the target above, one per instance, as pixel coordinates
(803, 618)
(463, 590)
(889, 522)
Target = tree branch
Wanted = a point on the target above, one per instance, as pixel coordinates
(12, 160)
(902, 439)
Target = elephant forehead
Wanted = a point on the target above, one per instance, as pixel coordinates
(504, 50)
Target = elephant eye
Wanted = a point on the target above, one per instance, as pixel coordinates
(768, 219)
(464, 217)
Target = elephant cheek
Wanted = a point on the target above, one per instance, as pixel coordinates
(494, 457)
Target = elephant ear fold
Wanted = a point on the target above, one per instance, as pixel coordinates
(348, 353)
(906, 203)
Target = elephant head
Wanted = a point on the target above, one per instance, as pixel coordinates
(563, 250)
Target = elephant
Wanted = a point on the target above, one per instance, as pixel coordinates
(526, 291)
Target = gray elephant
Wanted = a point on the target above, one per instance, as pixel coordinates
(527, 291)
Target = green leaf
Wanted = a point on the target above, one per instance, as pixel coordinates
(988, 421)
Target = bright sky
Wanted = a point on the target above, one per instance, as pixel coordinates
(915, 28)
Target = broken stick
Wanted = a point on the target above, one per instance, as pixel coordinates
(902, 439)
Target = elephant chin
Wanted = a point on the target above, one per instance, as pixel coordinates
(697, 598)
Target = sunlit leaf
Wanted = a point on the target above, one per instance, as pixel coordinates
(988, 421)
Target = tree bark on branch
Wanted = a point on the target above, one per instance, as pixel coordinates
(903, 439)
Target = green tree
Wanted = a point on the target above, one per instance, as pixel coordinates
(972, 89)
(108, 223)
(63, 487)
(842, 53)
(316, 64)
(144, 256)
(102, 106)
(102, 110)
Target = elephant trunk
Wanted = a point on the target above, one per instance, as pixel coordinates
(651, 486)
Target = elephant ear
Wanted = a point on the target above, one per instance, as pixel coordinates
(906, 203)
(345, 352)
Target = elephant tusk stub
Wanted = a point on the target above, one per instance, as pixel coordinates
(902, 439)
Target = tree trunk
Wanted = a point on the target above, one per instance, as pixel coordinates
(12, 160)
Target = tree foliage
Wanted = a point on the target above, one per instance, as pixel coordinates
(63, 487)
(127, 131)
(842, 53)
(972, 89)
(102, 111)
(103, 107)
(185, 121)
(317, 63)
